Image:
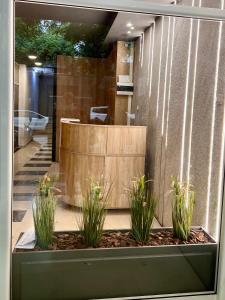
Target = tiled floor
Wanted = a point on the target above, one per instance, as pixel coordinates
(28, 167)
(34, 161)
(18, 215)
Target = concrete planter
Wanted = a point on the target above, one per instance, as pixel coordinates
(114, 272)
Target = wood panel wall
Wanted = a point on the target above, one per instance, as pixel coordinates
(114, 153)
(84, 82)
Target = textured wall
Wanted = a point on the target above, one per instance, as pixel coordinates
(179, 94)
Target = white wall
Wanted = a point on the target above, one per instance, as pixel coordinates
(24, 101)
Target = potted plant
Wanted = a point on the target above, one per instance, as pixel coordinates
(142, 205)
(94, 264)
(93, 214)
(44, 212)
(182, 208)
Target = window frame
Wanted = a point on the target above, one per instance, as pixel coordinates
(6, 117)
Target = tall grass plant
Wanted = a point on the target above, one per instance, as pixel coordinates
(143, 206)
(43, 207)
(182, 208)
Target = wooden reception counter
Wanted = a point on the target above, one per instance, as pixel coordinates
(91, 151)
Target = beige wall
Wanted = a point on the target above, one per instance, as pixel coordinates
(21, 77)
(123, 67)
(24, 100)
(179, 94)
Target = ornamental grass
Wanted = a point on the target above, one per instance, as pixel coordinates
(43, 207)
(182, 208)
(143, 206)
(94, 213)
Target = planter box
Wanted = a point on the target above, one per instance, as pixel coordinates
(114, 272)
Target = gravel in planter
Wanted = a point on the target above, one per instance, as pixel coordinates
(117, 239)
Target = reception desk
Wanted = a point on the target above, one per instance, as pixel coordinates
(116, 153)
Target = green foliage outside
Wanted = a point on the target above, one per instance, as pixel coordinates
(47, 39)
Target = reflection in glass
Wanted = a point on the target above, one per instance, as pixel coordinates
(130, 105)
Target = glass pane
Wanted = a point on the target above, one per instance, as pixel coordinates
(118, 153)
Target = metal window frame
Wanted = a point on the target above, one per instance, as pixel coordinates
(141, 6)
(6, 112)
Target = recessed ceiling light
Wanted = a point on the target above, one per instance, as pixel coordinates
(33, 57)
(129, 32)
(129, 24)
(132, 28)
(38, 64)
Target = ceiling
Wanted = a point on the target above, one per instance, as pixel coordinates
(31, 11)
(120, 31)
(116, 22)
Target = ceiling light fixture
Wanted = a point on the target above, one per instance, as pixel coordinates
(32, 57)
(38, 64)
(129, 24)
(132, 28)
(129, 32)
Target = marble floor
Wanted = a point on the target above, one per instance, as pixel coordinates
(33, 161)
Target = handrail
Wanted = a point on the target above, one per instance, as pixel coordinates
(30, 111)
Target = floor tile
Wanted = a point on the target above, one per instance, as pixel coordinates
(36, 165)
(31, 172)
(43, 154)
(40, 159)
(45, 150)
(18, 215)
(19, 197)
(25, 182)
(24, 189)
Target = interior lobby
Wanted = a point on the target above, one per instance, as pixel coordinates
(129, 99)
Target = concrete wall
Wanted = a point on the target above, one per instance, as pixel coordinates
(179, 78)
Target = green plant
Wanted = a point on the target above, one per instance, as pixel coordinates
(93, 213)
(43, 207)
(45, 186)
(182, 208)
(142, 209)
(48, 38)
